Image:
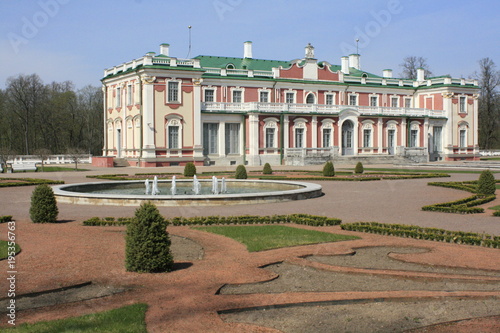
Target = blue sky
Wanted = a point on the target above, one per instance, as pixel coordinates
(76, 40)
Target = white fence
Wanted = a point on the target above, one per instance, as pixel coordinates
(52, 159)
(492, 152)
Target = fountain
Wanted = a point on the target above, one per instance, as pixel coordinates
(196, 185)
(173, 189)
(186, 192)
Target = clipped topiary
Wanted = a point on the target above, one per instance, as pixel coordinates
(359, 168)
(43, 205)
(328, 169)
(147, 248)
(486, 184)
(189, 169)
(267, 169)
(241, 172)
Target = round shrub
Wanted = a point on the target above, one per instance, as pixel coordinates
(359, 168)
(267, 169)
(486, 184)
(189, 169)
(328, 169)
(43, 205)
(241, 172)
(147, 248)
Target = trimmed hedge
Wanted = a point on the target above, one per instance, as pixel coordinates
(241, 172)
(43, 207)
(486, 184)
(328, 169)
(469, 186)
(359, 168)
(118, 176)
(434, 234)
(267, 170)
(189, 169)
(463, 206)
(5, 218)
(29, 182)
(312, 220)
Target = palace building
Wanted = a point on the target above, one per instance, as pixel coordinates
(164, 111)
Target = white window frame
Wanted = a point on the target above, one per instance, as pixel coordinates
(238, 138)
(267, 92)
(300, 123)
(463, 126)
(356, 96)
(330, 95)
(214, 89)
(179, 91)
(118, 99)
(130, 96)
(241, 91)
(407, 102)
(310, 93)
(394, 99)
(294, 94)
(327, 124)
(464, 99)
(377, 100)
(414, 126)
(173, 121)
(392, 125)
(217, 138)
(271, 123)
(367, 125)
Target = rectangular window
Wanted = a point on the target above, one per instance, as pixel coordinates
(329, 99)
(129, 94)
(232, 139)
(299, 138)
(289, 98)
(173, 92)
(463, 104)
(373, 101)
(463, 138)
(209, 95)
(394, 102)
(366, 137)
(437, 130)
(327, 137)
(210, 138)
(118, 97)
(270, 137)
(173, 137)
(407, 102)
(353, 100)
(413, 138)
(264, 97)
(237, 96)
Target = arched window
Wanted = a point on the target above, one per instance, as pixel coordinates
(327, 133)
(174, 131)
(463, 128)
(271, 132)
(367, 133)
(414, 133)
(310, 98)
(300, 133)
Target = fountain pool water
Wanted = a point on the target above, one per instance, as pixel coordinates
(187, 192)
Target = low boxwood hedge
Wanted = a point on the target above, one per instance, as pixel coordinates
(312, 220)
(28, 182)
(5, 218)
(434, 234)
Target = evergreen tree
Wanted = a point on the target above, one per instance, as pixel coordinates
(486, 184)
(359, 168)
(43, 205)
(147, 248)
(267, 169)
(189, 169)
(328, 169)
(241, 172)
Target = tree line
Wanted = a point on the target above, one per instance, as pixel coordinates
(44, 119)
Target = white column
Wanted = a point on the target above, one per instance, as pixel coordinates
(253, 137)
(148, 126)
(197, 125)
(475, 125)
(449, 126)
(403, 131)
(286, 139)
(426, 137)
(105, 120)
(314, 134)
(222, 139)
(379, 134)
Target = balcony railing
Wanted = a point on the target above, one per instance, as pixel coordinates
(317, 108)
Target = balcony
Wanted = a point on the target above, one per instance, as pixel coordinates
(317, 109)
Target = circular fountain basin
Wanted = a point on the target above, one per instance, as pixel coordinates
(132, 193)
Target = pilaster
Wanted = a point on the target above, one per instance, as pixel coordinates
(148, 127)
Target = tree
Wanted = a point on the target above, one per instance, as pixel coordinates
(147, 247)
(189, 169)
(5, 155)
(43, 154)
(43, 207)
(241, 172)
(486, 184)
(76, 155)
(410, 65)
(328, 169)
(267, 169)
(359, 168)
(489, 103)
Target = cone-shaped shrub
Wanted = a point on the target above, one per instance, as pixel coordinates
(43, 205)
(241, 172)
(147, 247)
(267, 169)
(328, 169)
(189, 169)
(486, 184)
(359, 168)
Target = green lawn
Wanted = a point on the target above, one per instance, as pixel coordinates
(3, 249)
(259, 238)
(399, 170)
(128, 319)
(495, 207)
(58, 169)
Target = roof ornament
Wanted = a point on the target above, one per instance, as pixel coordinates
(309, 51)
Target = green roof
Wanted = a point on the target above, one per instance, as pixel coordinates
(241, 63)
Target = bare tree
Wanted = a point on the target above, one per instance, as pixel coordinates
(410, 65)
(489, 103)
(43, 154)
(76, 155)
(5, 155)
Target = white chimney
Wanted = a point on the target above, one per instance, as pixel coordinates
(247, 49)
(345, 65)
(354, 61)
(164, 49)
(387, 73)
(420, 74)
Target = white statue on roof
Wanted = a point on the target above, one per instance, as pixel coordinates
(309, 51)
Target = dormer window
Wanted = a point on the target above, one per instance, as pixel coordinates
(310, 99)
(230, 66)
